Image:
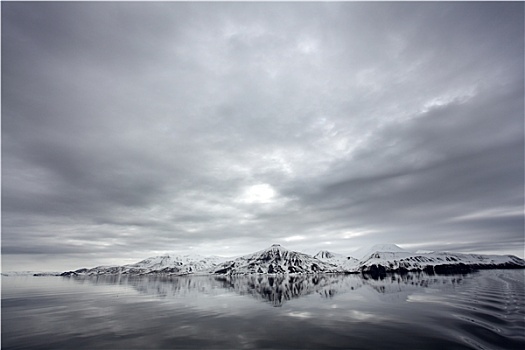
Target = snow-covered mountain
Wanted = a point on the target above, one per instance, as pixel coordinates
(380, 258)
(436, 262)
(167, 264)
(365, 252)
(348, 263)
(276, 259)
(178, 263)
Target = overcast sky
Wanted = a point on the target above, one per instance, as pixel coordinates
(134, 129)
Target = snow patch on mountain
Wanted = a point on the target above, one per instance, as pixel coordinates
(348, 263)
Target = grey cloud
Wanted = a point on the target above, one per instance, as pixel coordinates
(138, 127)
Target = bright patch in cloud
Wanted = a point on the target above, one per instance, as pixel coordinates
(294, 238)
(307, 46)
(262, 193)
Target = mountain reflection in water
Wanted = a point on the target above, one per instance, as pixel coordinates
(278, 289)
(483, 310)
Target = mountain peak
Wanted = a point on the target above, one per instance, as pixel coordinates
(275, 248)
(382, 247)
(324, 254)
(275, 259)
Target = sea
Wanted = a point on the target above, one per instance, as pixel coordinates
(479, 310)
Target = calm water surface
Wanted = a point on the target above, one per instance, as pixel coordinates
(483, 310)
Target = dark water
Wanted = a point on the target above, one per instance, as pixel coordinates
(483, 310)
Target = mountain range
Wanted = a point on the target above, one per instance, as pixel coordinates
(276, 259)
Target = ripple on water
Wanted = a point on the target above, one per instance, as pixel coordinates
(489, 313)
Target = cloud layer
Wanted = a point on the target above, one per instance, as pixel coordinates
(131, 129)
